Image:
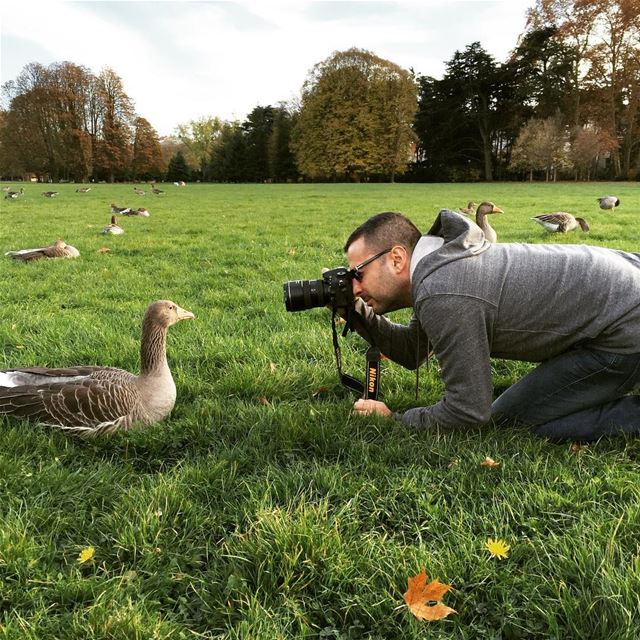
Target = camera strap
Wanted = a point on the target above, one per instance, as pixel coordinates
(370, 390)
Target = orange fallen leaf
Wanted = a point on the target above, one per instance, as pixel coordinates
(489, 462)
(103, 250)
(264, 401)
(419, 593)
(320, 391)
(577, 447)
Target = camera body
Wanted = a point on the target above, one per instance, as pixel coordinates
(333, 289)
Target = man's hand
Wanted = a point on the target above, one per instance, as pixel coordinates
(367, 407)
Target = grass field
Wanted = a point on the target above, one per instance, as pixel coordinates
(262, 509)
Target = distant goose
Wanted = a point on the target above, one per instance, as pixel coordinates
(470, 209)
(92, 400)
(140, 211)
(139, 192)
(59, 249)
(49, 194)
(120, 210)
(83, 190)
(6, 188)
(561, 222)
(155, 190)
(608, 202)
(180, 183)
(485, 209)
(14, 194)
(113, 228)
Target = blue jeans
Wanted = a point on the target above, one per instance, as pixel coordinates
(578, 395)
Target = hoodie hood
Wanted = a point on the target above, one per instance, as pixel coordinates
(461, 238)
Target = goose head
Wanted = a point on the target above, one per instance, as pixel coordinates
(583, 224)
(486, 208)
(164, 313)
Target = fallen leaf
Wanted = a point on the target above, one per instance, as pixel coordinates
(320, 391)
(489, 462)
(419, 593)
(103, 250)
(497, 548)
(577, 447)
(454, 463)
(86, 554)
(264, 401)
(272, 365)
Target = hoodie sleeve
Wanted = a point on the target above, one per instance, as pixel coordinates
(404, 344)
(459, 328)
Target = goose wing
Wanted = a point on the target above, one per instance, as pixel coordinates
(90, 404)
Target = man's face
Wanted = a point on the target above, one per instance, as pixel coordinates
(381, 286)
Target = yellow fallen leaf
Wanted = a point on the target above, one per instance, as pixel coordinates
(489, 462)
(419, 593)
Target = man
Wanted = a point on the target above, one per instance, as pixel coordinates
(573, 308)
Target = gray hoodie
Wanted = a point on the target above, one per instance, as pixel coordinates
(474, 300)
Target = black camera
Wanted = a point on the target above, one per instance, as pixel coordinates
(334, 289)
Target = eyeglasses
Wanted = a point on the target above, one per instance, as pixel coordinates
(356, 272)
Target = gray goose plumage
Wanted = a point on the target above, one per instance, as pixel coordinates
(119, 210)
(59, 249)
(140, 211)
(485, 209)
(49, 194)
(561, 222)
(608, 202)
(113, 228)
(92, 400)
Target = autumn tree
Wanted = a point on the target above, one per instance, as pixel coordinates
(541, 145)
(587, 147)
(114, 148)
(355, 117)
(147, 162)
(199, 137)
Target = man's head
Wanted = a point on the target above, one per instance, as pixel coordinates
(384, 282)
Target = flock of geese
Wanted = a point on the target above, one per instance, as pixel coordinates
(91, 400)
(559, 222)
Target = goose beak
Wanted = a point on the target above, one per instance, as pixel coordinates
(496, 210)
(183, 314)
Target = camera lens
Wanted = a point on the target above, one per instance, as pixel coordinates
(305, 294)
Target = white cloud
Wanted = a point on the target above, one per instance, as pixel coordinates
(183, 60)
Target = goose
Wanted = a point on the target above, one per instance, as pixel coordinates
(14, 194)
(155, 190)
(120, 210)
(83, 190)
(561, 222)
(470, 209)
(485, 209)
(59, 249)
(49, 194)
(113, 228)
(608, 202)
(92, 400)
(6, 189)
(140, 211)
(139, 192)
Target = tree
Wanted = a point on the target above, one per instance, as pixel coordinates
(114, 148)
(587, 147)
(355, 118)
(229, 155)
(257, 130)
(199, 137)
(280, 159)
(147, 163)
(178, 168)
(541, 145)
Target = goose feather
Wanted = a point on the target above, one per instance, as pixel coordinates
(93, 400)
(561, 222)
(59, 249)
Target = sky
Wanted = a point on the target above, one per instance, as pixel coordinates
(181, 61)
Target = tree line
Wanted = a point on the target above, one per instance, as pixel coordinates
(566, 103)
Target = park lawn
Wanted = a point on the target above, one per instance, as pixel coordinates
(262, 509)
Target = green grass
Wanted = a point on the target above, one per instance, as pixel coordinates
(292, 519)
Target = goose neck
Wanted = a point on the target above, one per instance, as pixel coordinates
(153, 352)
